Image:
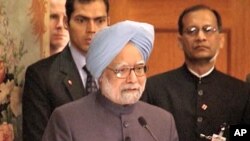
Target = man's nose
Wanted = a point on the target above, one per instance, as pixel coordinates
(201, 35)
(91, 27)
(132, 77)
(60, 23)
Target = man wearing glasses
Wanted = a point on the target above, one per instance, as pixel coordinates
(117, 58)
(202, 99)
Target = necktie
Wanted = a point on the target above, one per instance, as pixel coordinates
(90, 83)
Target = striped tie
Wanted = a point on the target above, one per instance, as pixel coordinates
(91, 86)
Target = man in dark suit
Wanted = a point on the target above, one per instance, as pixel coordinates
(60, 78)
(202, 99)
(248, 78)
(117, 58)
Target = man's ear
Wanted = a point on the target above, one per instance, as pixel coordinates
(222, 40)
(180, 42)
(66, 22)
(100, 79)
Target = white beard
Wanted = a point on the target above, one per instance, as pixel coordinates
(126, 95)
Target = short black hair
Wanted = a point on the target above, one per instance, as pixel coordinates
(70, 6)
(196, 8)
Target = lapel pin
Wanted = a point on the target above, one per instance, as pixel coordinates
(69, 82)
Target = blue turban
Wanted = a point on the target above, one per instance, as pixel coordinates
(109, 42)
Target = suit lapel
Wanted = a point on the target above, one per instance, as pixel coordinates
(75, 89)
(72, 79)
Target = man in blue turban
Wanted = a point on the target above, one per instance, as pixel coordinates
(117, 59)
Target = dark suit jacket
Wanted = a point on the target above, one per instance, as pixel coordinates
(95, 118)
(49, 83)
(199, 105)
(248, 78)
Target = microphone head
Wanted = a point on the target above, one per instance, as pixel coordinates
(127, 139)
(142, 121)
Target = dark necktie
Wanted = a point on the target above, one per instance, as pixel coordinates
(90, 83)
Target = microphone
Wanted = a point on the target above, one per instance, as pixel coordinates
(216, 137)
(127, 139)
(144, 124)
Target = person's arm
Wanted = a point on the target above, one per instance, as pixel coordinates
(246, 116)
(173, 131)
(36, 105)
(248, 78)
(57, 128)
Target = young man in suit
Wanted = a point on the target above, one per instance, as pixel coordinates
(60, 78)
(201, 98)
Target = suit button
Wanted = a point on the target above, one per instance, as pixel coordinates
(125, 124)
(204, 107)
(199, 119)
(200, 92)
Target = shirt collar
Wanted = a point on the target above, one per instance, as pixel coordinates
(113, 107)
(203, 75)
(79, 59)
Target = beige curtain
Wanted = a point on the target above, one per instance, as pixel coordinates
(23, 41)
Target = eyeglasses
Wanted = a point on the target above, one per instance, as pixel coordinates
(124, 72)
(208, 30)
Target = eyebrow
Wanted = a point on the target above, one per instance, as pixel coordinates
(95, 18)
(141, 62)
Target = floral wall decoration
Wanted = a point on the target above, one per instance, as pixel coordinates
(23, 40)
